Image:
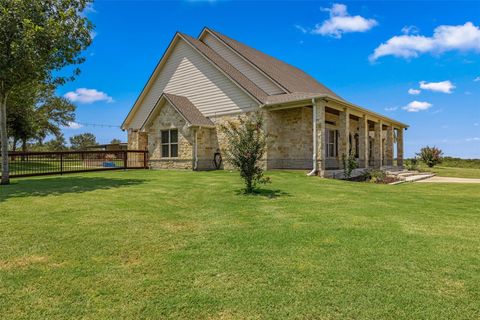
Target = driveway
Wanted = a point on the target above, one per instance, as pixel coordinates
(449, 180)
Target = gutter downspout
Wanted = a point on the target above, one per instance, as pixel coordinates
(314, 122)
(195, 152)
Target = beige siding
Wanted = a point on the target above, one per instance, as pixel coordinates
(240, 64)
(188, 73)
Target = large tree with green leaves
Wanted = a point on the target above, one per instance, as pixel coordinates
(35, 113)
(83, 140)
(38, 38)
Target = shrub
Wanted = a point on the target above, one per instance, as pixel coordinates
(411, 164)
(349, 164)
(430, 156)
(246, 146)
(375, 176)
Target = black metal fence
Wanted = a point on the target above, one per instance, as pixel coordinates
(23, 164)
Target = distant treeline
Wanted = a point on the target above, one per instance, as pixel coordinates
(459, 162)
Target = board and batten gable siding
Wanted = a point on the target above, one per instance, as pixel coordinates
(241, 65)
(187, 73)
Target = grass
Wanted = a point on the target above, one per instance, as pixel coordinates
(187, 245)
(444, 171)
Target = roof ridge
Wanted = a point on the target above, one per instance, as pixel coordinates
(238, 77)
(290, 77)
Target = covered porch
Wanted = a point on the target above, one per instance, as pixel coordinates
(317, 133)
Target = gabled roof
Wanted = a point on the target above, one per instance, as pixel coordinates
(185, 108)
(227, 68)
(292, 79)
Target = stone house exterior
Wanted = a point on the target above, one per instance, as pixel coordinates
(200, 83)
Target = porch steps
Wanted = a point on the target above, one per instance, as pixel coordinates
(409, 176)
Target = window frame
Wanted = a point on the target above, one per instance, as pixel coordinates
(329, 145)
(169, 143)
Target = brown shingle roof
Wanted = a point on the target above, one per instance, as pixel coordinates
(188, 110)
(292, 79)
(227, 68)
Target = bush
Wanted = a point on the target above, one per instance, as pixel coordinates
(349, 164)
(375, 176)
(246, 146)
(411, 164)
(430, 156)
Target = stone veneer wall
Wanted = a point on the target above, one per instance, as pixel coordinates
(289, 140)
(137, 140)
(169, 118)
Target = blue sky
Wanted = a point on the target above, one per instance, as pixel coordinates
(428, 47)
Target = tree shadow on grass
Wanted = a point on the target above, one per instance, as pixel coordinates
(61, 185)
(267, 193)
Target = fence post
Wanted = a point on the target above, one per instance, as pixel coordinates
(61, 163)
(125, 160)
(145, 153)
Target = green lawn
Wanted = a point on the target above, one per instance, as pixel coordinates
(453, 172)
(187, 245)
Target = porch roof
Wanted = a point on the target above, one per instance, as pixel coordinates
(292, 100)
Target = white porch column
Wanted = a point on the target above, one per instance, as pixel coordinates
(344, 134)
(400, 147)
(378, 145)
(363, 141)
(389, 146)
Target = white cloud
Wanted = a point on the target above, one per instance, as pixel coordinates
(391, 108)
(476, 79)
(442, 86)
(414, 91)
(473, 139)
(476, 124)
(445, 38)
(341, 22)
(73, 125)
(416, 106)
(302, 29)
(410, 30)
(84, 95)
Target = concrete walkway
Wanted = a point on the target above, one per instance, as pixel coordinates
(449, 180)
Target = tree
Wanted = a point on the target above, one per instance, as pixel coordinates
(115, 141)
(430, 156)
(57, 144)
(246, 146)
(37, 39)
(35, 113)
(81, 141)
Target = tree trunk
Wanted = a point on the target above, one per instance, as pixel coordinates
(24, 148)
(4, 140)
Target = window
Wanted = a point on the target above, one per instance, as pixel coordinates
(169, 143)
(331, 147)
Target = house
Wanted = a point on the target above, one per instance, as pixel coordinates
(200, 83)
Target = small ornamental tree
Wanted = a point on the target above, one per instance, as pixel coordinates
(246, 146)
(349, 164)
(430, 156)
